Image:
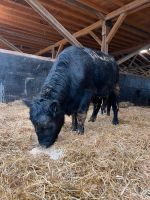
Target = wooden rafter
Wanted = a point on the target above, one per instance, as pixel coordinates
(9, 44)
(53, 21)
(144, 57)
(126, 8)
(77, 34)
(132, 61)
(59, 50)
(95, 37)
(132, 54)
(116, 27)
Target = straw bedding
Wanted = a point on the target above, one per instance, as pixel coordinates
(108, 162)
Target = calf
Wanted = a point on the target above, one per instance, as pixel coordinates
(77, 75)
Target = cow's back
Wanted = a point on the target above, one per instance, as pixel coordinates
(91, 69)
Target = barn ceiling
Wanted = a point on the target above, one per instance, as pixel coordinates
(30, 33)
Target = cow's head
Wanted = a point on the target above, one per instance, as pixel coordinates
(47, 119)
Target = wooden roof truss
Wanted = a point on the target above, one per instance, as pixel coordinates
(99, 34)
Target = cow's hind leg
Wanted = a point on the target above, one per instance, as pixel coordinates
(96, 108)
(115, 109)
(74, 122)
(104, 104)
(82, 111)
(108, 106)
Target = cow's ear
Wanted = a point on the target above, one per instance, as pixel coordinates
(55, 107)
(27, 102)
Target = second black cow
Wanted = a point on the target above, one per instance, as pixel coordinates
(75, 78)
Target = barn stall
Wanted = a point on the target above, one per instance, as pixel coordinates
(108, 162)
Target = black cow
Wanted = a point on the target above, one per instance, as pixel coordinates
(77, 75)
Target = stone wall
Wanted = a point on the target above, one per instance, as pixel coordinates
(21, 76)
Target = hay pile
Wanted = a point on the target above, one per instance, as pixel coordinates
(108, 162)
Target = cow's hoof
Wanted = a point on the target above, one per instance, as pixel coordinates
(73, 129)
(92, 120)
(80, 131)
(115, 122)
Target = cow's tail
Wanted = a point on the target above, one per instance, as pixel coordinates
(116, 89)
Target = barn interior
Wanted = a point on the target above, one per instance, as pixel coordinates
(108, 162)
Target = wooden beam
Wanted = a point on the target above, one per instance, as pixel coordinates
(53, 53)
(59, 50)
(116, 27)
(98, 24)
(104, 46)
(132, 61)
(53, 21)
(9, 44)
(132, 54)
(95, 37)
(80, 33)
(126, 8)
(144, 57)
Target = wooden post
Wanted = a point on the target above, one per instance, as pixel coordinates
(53, 53)
(59, 50)
(104, 46)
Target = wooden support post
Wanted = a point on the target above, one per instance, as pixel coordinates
(104, 46)
(35, 4)
(116, 27)
(8, 44)
(53, 53)
(95, 37)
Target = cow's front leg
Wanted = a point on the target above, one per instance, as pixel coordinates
(82, 111)
(74, 122)
(81, 117)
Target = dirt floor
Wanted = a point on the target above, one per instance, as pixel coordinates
(108, 162)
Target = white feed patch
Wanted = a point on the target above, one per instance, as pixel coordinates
(53, 153)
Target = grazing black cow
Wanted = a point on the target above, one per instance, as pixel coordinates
(77, 75)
